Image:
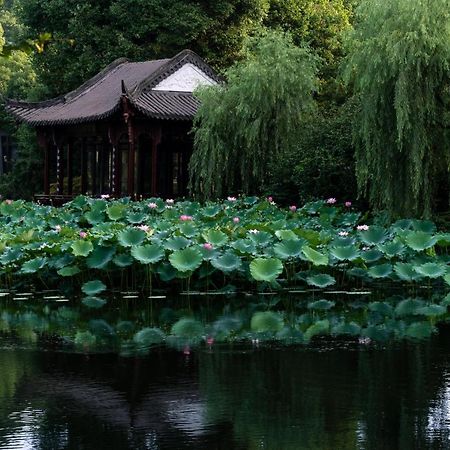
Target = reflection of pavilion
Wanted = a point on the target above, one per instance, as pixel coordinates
(123, 132)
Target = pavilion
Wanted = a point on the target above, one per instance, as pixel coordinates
(124, 132)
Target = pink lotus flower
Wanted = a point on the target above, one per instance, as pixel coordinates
(331, 201)
(270, 199)
(231, 199)
(170, 201)
(343, 233)
(207, 246)
(348, 204)
(185, 218)
(8, 202)
(236, 219)
(83, 234)
(293, 208)
(210, 340)
(152, 205)
(362, 227)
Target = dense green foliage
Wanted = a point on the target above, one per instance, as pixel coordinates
(244, 127)
(399, 61)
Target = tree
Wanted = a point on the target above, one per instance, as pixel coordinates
(399, 67)
(241, 127)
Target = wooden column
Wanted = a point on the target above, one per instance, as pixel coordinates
(114, 136)
(70, 167)
(83, 165)
(93, 156)
(156, 140)
(45, 143)
(128, 117)
(59, 144)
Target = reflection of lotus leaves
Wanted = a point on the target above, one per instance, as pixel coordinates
(382, 308)
(318, 328)
(266, 321)
(419, 330)
(344, 328)
(322, 305)
(408, 307)
(187, 328)
(93, 302)
(148, 336)
(432, 311)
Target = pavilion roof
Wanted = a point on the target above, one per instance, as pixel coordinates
(100, 97)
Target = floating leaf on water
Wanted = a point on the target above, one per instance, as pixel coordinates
(82, 247)
(187, 328)
(321, 280)
(228, 262)
(100, 257)
(93, 287)
(431, 270)
(289, 248)
(266, 269)
(321, 305)
(419, 240)
(318, 259)
(266, 321)
(148, 254)
(380, 271)
(93, 302)
(186, 260)
(408, 307)
(131, 237)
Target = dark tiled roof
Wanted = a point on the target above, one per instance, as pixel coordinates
(100, 97)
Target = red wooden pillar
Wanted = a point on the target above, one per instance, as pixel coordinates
(156, 140)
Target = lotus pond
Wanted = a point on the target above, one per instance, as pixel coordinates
(354, 370)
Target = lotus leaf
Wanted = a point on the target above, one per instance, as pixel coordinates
(95, 217)
(33, 265)
(266, 269)
(166, 272)
(188, 229)
(228, 262)
(186, 260)
(100, 257)
(289, 248)
(344, 328)
(432, 310)
(431, 270)
(374, 235)
(392, 249)
(321, 305)
(93, 287)
(408, 307)
(123, 260)
(420, 240)
(148, 254)
(290, 335)
(266, 321)
(82, 247)
(11, 255)
(382, 308)
(147, 337)
(371, 255)
(406, 272)
(419, 330)
(136, 217)
(69, 271)
(376, 332)
(380, 271)
(131, 237)
(245, 246)
(424, 225)
(84, 339)
(176, 243)
(321, 280)
(261, 238)
(285, 235)
(318, 328)
(116, 212)
(318, 259)
(215, 237)
(93, 302)
(187, 328)
(349, 253)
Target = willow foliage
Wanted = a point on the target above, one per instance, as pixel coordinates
(242, 126)
(399, 62)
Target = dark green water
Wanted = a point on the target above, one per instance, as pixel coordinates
(330, 394)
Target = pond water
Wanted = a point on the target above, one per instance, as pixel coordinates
(73, 377)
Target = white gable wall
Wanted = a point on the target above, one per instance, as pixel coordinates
(186, 79)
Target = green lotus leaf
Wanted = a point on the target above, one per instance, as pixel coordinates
(84, 339)
(176, 243)
(321, 280)
(186, 260)
(148, 254)
(262, 238)
(211, 211)
(402, 224)
(392, 249)
(147, 337)
(136, 217)
(131, 237)
(228, 262)
(371, 255)
(266, 269)
(82, 247)
(166, 272)
(419, 240)
(431, 270)
(102, 328)
(286, 235)
(100, 257)
(406, 272)
(116, 212)
(33, 265)
(123, 260)
(245, 246)
(348, 253)
(318, 328)
(446, 300)
(382, 308)
(419, 330)
(93, 302)
(188, 229)
(11, 255)
(215, 237)
(374, 235)
(376, 332)
(69, 271)
(289, 248)
(267, 321)
(432, 310)
(187, 328)
(321, 305)
(290, 335)
(318, 259)
(95, 217)
(93, 287)
(408, 307)
(447, 278)
(226, 325)
(344, 328)
(380, 271)
(426, 226)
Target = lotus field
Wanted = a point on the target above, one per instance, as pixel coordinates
(237, 244)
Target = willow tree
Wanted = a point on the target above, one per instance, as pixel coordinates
(399, 63)
(243, 126)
